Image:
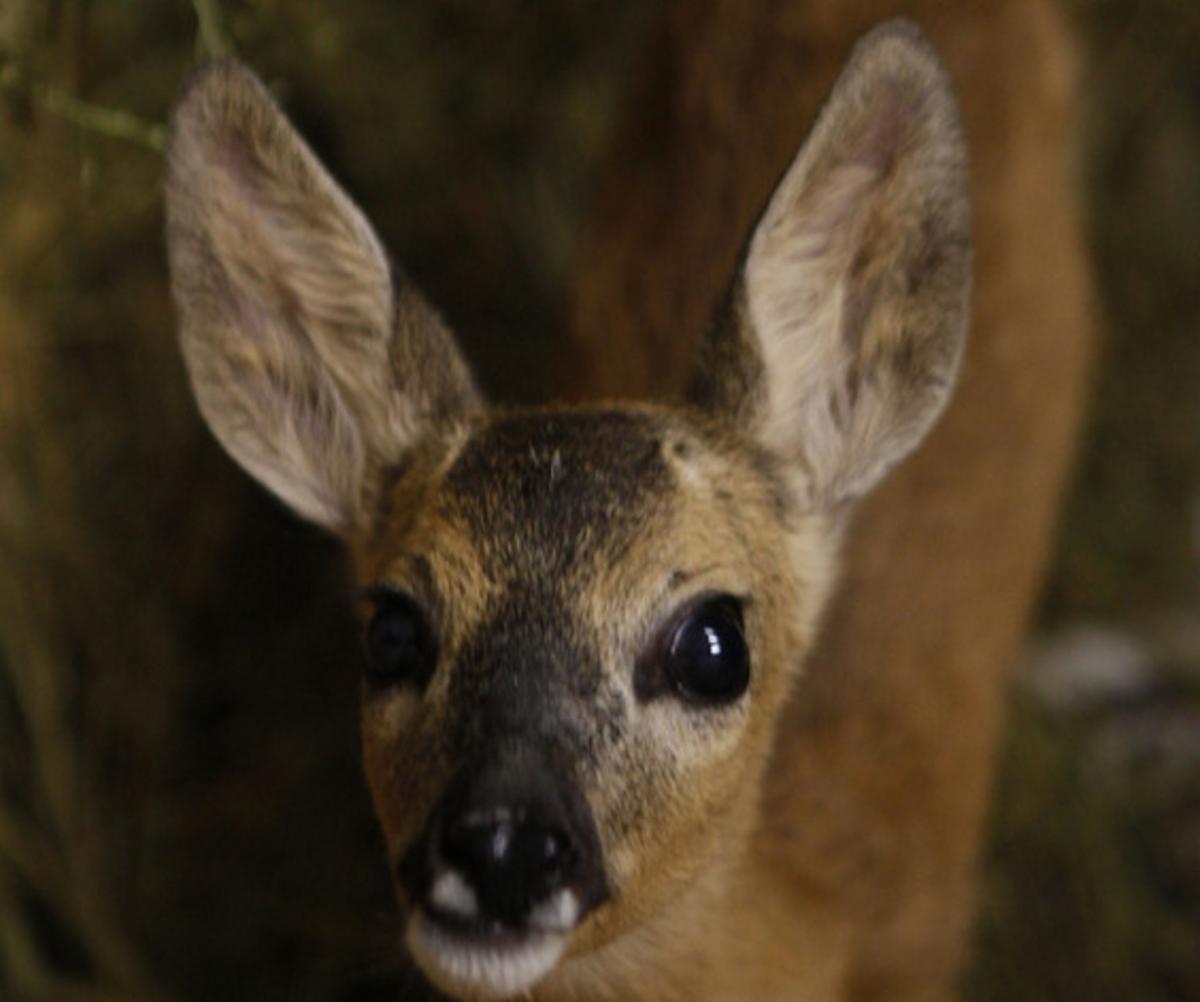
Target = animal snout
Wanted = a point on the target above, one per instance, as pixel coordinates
(510, 860)
(513, 844)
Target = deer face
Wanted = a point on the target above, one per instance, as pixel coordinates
(579, 623)
(579, 629)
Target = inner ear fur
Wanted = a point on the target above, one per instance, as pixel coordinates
(311, 363)
(843, 331)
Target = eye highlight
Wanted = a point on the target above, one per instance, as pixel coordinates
(701, 655)
(399, 643)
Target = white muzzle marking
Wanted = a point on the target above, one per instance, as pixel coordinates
(482, 964)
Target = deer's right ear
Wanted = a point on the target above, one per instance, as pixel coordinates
(312, 367)
(847, 320)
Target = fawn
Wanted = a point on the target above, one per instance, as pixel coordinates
(581, 623)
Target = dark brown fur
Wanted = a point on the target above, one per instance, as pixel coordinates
(881, 774)
(549, 550)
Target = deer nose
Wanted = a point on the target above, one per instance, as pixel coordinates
(512, 844)
(511, 861)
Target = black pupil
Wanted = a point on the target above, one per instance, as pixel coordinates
(708, 657)
(398, 643)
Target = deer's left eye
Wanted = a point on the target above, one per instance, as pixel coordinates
(707, 657)
(399, 642)
(701, 654)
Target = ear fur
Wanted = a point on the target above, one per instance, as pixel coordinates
(311, 367)
(846, 323)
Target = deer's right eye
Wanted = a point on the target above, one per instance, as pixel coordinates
(399, 644)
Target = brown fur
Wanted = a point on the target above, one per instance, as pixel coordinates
(879, 782)
(549, 548)
(288, 306)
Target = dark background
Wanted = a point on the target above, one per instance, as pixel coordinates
(181, 810)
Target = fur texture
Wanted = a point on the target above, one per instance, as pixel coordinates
(302, 351)
(549, 551)
(853, 299)
(880, 777)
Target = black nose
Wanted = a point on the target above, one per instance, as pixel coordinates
(517, 833)
(511, 861)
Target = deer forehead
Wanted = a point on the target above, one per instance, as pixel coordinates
(572, 521)
(561, 500)
(549, 493)
(546, 545)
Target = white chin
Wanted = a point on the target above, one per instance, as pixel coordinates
(479, 965)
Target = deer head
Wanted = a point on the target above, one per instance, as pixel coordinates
(580, 623)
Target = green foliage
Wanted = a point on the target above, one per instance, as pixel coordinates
(1092, 878)
(1130, 532)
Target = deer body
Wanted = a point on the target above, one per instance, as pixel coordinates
(583, 624)
(906, 688)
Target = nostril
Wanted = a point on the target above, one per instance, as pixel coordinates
(541, 853)
(550, 846)
(479, 846)
(511, 864)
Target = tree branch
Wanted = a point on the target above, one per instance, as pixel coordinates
(214, 37)
(112, 122)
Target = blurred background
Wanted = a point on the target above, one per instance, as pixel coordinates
(181, 810)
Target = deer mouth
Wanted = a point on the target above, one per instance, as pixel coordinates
(507, 868)
(464, 951)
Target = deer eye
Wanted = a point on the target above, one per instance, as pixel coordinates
(399, 644)
(707, 659)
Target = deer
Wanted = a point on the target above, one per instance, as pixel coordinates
(584, 623)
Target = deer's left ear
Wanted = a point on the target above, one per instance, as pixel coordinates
(847, 321)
